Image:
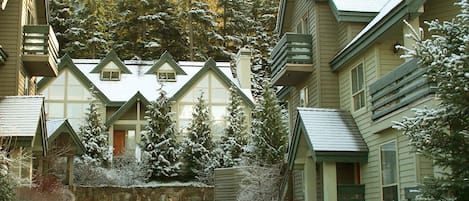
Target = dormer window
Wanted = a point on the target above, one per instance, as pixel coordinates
(110, 75)
(166, 76)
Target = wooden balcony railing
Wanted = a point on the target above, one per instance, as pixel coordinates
(40, 50)
(293, 53)
(3, 55)
(398, 88)
(351, 192)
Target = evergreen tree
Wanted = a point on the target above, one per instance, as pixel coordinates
(205, 40)
(269, 133)
(94, 137)
(158, 140)
(61, 19)
(197, 144)
(235, 138)
(442, 134)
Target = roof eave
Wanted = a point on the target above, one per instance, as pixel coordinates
(352, 50)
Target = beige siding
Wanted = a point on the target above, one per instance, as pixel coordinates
(347, 31)
(10, 39)
(442, 10)
(328, 47)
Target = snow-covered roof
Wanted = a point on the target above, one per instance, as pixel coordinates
(147, 84)
(385, 10)
(331, 130)
(360, 6)
(20, 115)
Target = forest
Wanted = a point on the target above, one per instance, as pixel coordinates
(144, 29)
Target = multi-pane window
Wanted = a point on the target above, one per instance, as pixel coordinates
(110, 75)
(216, 95)
(67, 98)
(358, 87)
(304, 97)
(389, 171)
(167, 76)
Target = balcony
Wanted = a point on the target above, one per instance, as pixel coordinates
(3, 55)
(398, 88)
(350, 192)
(40, 50)
(292, 59)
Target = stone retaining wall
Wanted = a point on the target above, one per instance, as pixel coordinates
(159, 193)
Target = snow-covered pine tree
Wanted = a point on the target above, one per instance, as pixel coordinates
(235, 138)
(442, 134)
(269, 132)
(206, 41)
(94, 137)
(197, 145)
(158, 140)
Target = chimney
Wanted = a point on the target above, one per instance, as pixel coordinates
(243, 68)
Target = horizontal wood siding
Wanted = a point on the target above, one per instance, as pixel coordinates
(10, 39)
(342, 33)
(388, 60)
(328, 47)
(442, 10)
(227, 181)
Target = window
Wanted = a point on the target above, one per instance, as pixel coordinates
(302, 26)
(358, 87)
(304, 97)
(389, 171)
(110, 75)
(167, 76)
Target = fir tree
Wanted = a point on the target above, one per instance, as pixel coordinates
(269, 133)
(94, 137)
(158, 140)
(442, 134)
(197, 144)
(235, 138)
(205, 39)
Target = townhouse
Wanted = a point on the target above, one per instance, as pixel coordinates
(344, 83)
(28, 50)
(125, 88)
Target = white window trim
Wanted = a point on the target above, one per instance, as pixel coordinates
(381, 169)
(166, 79)
(304, 92)
(111, 72)
(352, 94)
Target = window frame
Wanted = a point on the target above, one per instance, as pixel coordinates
(166, 78)
(396, 166)
(360, 91)
(304, 97)
(111, 73)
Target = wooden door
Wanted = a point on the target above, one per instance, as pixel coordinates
(119, 142)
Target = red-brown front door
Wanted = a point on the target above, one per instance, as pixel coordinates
(119, 142)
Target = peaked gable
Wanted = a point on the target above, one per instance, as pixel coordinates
(111, 56)
(126, 106)
(67, 62)
(166, 58)
(55, 128)
(210, 65)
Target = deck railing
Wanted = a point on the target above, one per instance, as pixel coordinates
(292, 48)
(40, 40)
(398, 88)
(351, 192)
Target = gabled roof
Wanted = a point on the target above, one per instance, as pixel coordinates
(331, 135)
(392, 12)
(166, 58)
(111, 56)
(67, 62)
(356, 11)
(210, 65)
(20, 115)
(55, 128)
(117, 93)
(124, 108)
